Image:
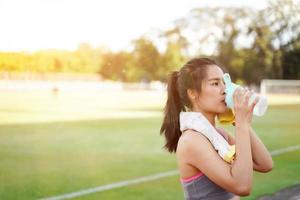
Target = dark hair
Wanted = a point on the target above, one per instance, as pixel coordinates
(190, 76)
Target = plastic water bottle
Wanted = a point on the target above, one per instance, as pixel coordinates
(259, 109)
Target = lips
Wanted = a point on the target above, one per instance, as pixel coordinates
(223, 101)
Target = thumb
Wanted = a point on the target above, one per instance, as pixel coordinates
(254, 103)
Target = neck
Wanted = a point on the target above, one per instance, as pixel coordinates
(209, 116)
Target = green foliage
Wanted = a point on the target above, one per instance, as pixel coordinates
(291, 64)
(267, 36)
(147, 59)
(269, 48)
(172, 59)
(115, 66)
(84, 60)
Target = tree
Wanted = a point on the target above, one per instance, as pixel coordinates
(290, 59)
(172, 59)
(115, 66)
(215, 31)
(147, 59)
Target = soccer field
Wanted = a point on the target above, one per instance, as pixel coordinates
(58, 144)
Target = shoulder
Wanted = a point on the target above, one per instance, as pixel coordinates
(190, 137)
(196, 150)
(192, 141)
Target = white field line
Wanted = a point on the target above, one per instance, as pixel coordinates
(114, 185)
(144, 179)
(285, 150)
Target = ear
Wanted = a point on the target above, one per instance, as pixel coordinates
(192, 94)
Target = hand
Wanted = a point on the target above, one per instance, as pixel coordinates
(243, 110)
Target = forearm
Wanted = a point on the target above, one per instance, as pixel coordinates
(260, 155)
(242, 168)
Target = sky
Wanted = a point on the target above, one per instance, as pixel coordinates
(31, 25)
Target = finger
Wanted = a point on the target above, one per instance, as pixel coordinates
(239, 94)
(254, 102)
(244, 92)
(248, 96)
(236, 93)
(237, 90)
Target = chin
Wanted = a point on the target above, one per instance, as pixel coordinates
(218, 111)
(218, 108)
(222, 109)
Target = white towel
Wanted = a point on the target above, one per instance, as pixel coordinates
(199, 123)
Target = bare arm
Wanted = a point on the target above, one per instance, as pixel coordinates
(242, 167)
(262, 159)
(235, 178)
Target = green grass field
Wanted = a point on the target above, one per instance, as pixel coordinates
(52, 145)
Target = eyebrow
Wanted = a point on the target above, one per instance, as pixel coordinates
(215, 79)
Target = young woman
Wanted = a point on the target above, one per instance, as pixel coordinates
(198, 87)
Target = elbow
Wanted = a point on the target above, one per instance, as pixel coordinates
(244, 190)
(264, 166)
(267, 167)
(266, 170)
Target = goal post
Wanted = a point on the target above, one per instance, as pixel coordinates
(279, 86)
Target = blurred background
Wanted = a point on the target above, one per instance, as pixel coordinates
(83, 87)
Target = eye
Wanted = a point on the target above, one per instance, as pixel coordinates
(215, 83)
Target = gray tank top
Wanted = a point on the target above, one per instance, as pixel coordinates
(202, 188)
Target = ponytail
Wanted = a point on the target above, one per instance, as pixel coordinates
(170, 127)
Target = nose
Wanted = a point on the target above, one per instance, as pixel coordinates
(223, 87)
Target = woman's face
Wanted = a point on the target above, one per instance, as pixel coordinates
(212, 96)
